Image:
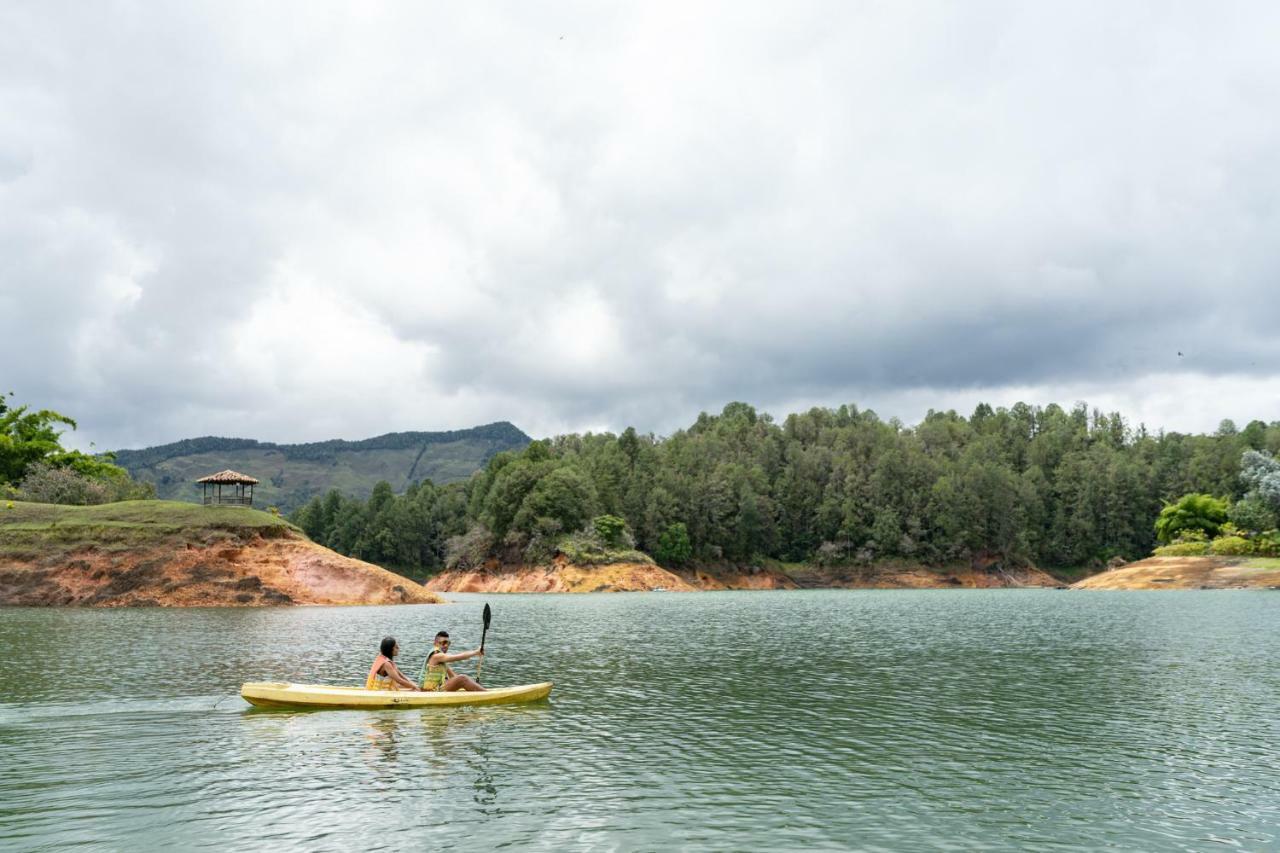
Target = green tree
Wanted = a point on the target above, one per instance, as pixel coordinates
(674, 548)
(610, 529)
(28, 437)
(1191, 512)
(564, 496)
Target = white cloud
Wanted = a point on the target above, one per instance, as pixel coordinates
(576, 216)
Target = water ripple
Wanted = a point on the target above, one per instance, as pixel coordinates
(1001, 720)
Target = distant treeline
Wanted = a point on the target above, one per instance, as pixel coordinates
(1058, 487)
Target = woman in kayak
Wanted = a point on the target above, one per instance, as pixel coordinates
(436, 674)
(384, 674)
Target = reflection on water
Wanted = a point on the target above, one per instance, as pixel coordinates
(1005, 718)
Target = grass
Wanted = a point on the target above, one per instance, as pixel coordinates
(27, 528)
(1263, 563)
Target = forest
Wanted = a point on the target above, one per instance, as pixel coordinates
(1045, 485)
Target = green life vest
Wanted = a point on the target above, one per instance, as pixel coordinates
(434, 677)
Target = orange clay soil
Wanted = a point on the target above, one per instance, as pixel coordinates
(1185, 573)
(909, 576)
(563, 576)
(254, 571)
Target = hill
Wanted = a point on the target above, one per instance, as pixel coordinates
(167, 553)
(292, 474)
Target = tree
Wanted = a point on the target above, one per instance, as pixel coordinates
(674, 548)
(1191, 512)
(28, 437)
(610, 529)
(1261, 472)
(564, 496)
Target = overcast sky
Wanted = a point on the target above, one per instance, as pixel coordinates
(297, 222)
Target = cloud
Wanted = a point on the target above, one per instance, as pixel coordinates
(306, 221)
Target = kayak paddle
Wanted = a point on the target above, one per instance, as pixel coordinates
(488, 616)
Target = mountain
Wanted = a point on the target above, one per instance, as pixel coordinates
(291, 474)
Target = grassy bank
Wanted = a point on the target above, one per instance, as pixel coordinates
(30, 529)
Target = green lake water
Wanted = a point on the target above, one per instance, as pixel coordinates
(895, 720)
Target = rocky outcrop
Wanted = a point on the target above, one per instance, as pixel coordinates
(1185, 573)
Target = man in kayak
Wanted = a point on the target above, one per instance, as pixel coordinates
(436, 674)
(384, 674)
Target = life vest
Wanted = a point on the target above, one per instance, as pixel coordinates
(375, 680)
(434, 677)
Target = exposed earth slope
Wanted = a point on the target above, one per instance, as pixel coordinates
(165, 553)
(292, 474)
(564, 576)
(1189, 573)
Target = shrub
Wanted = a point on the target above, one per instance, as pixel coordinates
(1191, 512)
(469, 550)
(48, 485)
(1267, 544)
(1253, 514)
(612, 531)
(1231, 546)
(1183, 549)
(585, 548)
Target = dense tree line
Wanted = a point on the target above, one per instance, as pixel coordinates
(1058, 487)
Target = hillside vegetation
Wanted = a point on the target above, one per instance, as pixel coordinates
(999, 490)
(292, 474)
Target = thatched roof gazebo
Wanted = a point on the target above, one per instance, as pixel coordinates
(236, 495)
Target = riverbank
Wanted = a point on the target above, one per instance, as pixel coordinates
(564, 576)
(1189, 573)
(172, 554)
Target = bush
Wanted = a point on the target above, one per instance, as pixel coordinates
(1191, 512)
(470, 550)
(612, 531)
(1267, 544)
(1252, 514)
(1231, 546)
(47, 485)
(1183, 549)
(585, 548)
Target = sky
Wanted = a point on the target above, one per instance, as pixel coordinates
(295, 222)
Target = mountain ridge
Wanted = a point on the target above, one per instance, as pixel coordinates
(291, 474)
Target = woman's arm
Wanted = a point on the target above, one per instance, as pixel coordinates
(393, 672)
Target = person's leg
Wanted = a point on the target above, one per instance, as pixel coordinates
(462, 682)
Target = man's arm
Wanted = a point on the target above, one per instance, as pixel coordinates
(458, 656)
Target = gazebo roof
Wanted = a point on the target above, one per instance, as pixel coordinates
(228, 476)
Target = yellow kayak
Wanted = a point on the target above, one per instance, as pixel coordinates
(281, 694)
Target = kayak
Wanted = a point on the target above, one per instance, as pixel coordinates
(282, 694)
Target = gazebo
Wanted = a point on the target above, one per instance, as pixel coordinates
(237, 495)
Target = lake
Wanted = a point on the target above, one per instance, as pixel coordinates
(932, 719)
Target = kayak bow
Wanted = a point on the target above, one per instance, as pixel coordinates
(281, 694)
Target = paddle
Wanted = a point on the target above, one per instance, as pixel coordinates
(488, 616)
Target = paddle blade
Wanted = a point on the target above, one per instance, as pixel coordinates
(488, 615)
